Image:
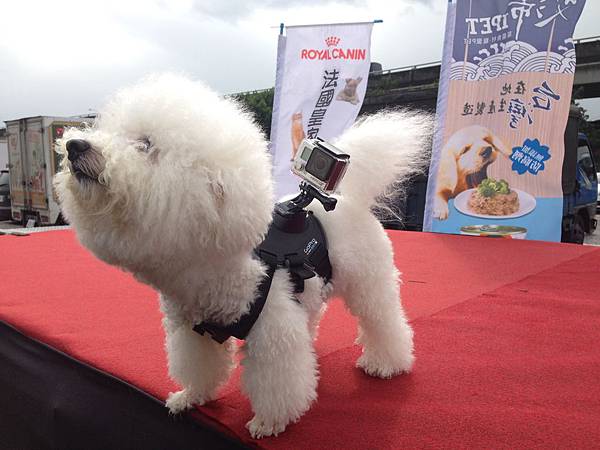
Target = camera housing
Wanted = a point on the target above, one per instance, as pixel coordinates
(320, 164)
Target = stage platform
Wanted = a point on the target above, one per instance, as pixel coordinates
(506, 338)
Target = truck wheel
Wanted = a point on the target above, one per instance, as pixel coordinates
(578, 231)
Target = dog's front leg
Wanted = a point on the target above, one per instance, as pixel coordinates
(440, 207)
(447, 180)
(198, 363)
(280, 366)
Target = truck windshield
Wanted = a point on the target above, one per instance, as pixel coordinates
(584, 159)
(3, 178)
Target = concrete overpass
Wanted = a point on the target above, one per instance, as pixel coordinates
(417, 86)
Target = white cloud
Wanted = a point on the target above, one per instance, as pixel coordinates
(64, 57)
(65, 37)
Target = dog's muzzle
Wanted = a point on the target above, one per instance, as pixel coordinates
(76, 148)
(85, 162)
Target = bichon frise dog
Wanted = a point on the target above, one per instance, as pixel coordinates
(173, 184)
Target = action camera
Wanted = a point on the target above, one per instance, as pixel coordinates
(320, 164)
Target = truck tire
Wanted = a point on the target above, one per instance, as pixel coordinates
(578, 230)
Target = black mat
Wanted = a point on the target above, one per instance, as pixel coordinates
(49, 400)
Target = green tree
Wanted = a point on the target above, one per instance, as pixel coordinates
(260, 104)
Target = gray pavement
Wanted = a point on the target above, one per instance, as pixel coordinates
(7, 225)
(13, 228)
(594, 238)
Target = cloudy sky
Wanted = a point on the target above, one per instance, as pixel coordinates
(65, 57)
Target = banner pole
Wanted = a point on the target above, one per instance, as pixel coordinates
(281, 25)
(333, 24)
(440, 113)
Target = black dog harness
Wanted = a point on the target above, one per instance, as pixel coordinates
(302, 252)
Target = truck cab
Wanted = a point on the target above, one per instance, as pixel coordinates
(580, 184)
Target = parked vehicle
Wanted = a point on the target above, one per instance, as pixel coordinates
(32, 162)
(580, 184)
(598, 202)
(4, 195)
(581, 194)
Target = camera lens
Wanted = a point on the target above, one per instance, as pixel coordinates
(319, 164)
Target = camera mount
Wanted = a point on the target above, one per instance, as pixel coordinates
(296, 240)
(289, 215)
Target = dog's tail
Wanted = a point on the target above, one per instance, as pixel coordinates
(386, 150)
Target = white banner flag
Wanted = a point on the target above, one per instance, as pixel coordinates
(322, 73)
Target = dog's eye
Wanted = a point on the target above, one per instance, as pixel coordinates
(143, 144)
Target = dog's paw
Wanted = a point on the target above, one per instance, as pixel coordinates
(440, 210)
(378, 367)
(260, 428)
(182, 400)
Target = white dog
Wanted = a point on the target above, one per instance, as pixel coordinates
(173, 183)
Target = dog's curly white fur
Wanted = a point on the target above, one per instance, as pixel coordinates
(176, 188)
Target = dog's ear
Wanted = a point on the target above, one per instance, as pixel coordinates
(497, 143)
(358, 80)
(348, 80)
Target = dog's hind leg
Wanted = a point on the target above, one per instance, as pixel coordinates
(198, 363)
(384, 332)
(280, 366)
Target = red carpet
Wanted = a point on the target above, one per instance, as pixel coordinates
(506, 337)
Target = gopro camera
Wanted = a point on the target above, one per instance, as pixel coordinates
(320, 164)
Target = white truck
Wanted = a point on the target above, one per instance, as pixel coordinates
(3, 150)
(32, 162)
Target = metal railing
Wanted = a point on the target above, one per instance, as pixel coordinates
(256, 91)
(405, 68)
(586, 39)
(437, 63)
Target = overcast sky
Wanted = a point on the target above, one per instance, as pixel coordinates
(65, 57)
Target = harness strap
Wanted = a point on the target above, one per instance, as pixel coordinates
(242, 327)
(304, 254)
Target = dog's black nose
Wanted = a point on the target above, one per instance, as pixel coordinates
(487, 152)
(77, 147)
